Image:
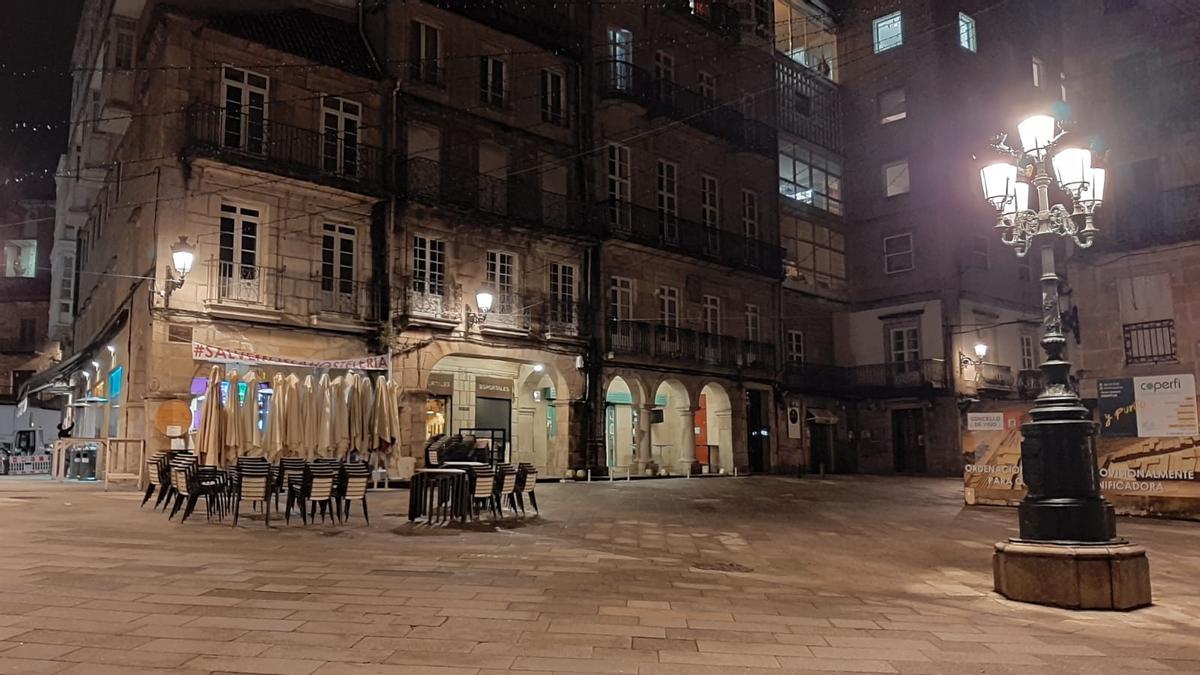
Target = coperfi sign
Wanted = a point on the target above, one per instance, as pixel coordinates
(1158, 406)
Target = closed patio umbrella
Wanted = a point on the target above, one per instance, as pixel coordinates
(273, 441)
(326, 446)
(361, 408)
(248, 418)
(233, 428)
(211, 435)
(310, 410)
(340, 390)
(293, 418)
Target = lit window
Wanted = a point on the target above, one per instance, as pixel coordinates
(892, 106)
(889, 32)
(895, 178)
(815, 256)
(1037, 72)
(810, 177)
(20, 258)
(795, 346)
(898, 253)
(966, 32)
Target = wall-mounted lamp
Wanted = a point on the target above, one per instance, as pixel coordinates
(981, 351)
(483, 303)
(183, 255)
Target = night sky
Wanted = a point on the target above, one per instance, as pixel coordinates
(36, 34)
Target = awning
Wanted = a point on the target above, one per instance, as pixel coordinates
(821, 416)
(57, 378)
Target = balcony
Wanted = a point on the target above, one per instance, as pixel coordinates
(539, 23)
(809, 104)
(684, 346)
(621, 220)
(879, 379)
(1029, 383)
(719, 17)
(278, 148)
(255, 289)
(624, 80)
(430, 181)
(994, 377)
(439, 304)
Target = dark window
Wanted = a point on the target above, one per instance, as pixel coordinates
(28, 333)
(1138, 211)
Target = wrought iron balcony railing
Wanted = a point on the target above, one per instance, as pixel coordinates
(17, 345)
(719, 17)
(233, 284)
(428, 180)
(623, 79)
(622, 220)
(273, 147)
(687, 346)
(543, 24)
(438, 301)
(878, 378)
(995, 376)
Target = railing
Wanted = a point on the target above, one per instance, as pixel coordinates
(720, 17)
(867, 379)
(995, 376)
(510, 311)
(652, 228)
(660, 342)
(431, 181)
(281, 148)
(623, 79)
(234, 284)
(809, 105)
(439, 304)
(1029, 383)
(563, 317)
(17, 346)
(345, 297)
(1150, 342)
(237, 283)
(116, 459)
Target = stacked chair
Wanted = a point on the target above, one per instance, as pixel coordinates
(252, 482)
(316, 485)
(352, 487)
(526, 482)
(483, 492)
(158, 477)
(506, 488)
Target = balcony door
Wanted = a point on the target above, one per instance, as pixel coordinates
(904, 354)
(493, 178)
(238, 275)
(245, 119)
(668, 317)
(339, 142)
(712, 328)
(620, 54)
(502, 279)
(338, 290)
(562, 296)
(620, 309)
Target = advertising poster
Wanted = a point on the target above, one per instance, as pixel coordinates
(1139, 473)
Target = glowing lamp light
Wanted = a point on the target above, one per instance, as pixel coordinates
(1036, 133)
(1072, 167)
(999, 180)
(183, 255)
(981, 350)
(537, 367)
(483, 300)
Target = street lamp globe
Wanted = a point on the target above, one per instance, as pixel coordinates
(981, 350)
(183, 254)
(999, 180)
(1072, 167)
(483, 301)
(1037, 132)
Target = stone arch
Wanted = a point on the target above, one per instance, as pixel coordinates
(671, 439)
(625, 421)
(714, 417)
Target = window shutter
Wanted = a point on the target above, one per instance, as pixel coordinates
(414, 51)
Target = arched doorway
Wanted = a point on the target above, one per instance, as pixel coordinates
(528, 401)
(624, 423)
(714, 429)
(672, 440)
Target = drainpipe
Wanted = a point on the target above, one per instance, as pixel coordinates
(362, 33)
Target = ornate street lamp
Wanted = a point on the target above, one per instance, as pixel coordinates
(183, 256)
(1068, 553)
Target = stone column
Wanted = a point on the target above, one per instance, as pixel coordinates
(642, 436)
(687, 441)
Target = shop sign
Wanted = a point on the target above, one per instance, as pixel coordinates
(203, 352)
(493, 387)
(1148, 407)
(441, 384)
(989, 421)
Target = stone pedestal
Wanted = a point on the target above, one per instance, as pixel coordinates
(1103, 576)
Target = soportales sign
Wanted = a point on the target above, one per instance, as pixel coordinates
(1157, 406)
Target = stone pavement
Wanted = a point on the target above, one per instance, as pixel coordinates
(745, 575)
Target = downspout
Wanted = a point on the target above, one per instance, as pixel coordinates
(362, 34)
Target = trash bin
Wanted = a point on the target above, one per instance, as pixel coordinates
(83, 463)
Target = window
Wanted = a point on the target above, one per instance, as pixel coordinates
(668, 306)
(898, 253)
(116, 381)
(1038, 69)
(425, 53)
(795, 346)
(492, 194)
(889, 32)
(554, 103)
(805, 35)
(892, 106)
(341, 120)
(179, 334)
(338, 244)
(620, 55)
(753, 323)
(712, 315)
(245, 123)
(502, 279)
(810, 177)
(1028, 353)
(66, 288)
(618, 186)
(491, 81)
(750, 214)
(667, 201)
(710, 211)
(815, 256)
(1150, 342)
(620, 311)
(123, 52)
(562, 293)
(895, 178)
(429, 266)
(664, 66)
(966, 32)
(27, 332)
(979, 252)
(904, 345)
(20, 258)
(707, 85)
(238, 273)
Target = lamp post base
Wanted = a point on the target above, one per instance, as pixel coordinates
(1109, 576)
